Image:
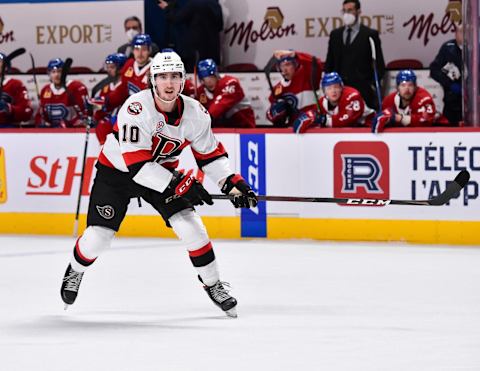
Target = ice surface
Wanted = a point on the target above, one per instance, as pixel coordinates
(302, 306)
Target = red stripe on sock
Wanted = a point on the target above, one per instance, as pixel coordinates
(201, 251)
(77, 248)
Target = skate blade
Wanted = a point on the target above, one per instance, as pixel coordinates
(66, 307)
(232, 313)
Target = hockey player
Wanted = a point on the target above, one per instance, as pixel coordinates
(15, 105)
(341, 106)
(61, 106)
(104, 118)
(223, 97)
(294, 93)
(134, 73)
(139, 159)
(410, 105)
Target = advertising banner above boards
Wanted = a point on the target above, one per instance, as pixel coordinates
(41, 171)
(86, 31)
(255, 28)
(89, 30)
(254, 85)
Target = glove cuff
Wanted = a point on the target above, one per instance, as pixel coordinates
(230, 182)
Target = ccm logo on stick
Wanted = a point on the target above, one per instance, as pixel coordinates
(367, 201)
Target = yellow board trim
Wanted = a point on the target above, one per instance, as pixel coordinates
(3, 177)
(413, 231)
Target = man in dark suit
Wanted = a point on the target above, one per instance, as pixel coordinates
(349, 53)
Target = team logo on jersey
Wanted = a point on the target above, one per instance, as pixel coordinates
(361, 170)
(47, 94)
(134, 108)
(106, 212)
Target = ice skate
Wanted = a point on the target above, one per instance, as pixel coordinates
(219, 295)
(70, 286)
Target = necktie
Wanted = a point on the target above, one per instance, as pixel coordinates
(349, 36)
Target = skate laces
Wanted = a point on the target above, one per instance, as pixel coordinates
(73, 280)
(219, 291)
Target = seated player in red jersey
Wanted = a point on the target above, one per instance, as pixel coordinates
(61, 106)
(134, 74)
(15, 106)
(104, 118)
(223, 97)
(410, 105)
(294, 94)
(341, 106)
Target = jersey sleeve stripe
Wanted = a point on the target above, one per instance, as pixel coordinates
(206, 158)
(219, 151)
(137, 156)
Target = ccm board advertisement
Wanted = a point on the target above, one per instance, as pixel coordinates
(40, 172)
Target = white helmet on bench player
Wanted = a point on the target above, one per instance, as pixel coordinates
(164, 62)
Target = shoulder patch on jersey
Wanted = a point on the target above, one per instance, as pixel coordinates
(129, 72)
(278, 90)
(159, 127)
(134, 108)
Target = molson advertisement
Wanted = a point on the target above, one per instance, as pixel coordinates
(408, 29)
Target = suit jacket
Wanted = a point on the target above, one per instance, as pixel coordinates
(354, 63)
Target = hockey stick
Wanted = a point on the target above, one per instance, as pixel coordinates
(268, 68)
(7, 62)
(65, 71)
(35, 77)
(451, 191)
(84, 160)
(312, 82)
(375, 73)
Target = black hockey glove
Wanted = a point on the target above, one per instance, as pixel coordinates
(247, 198)
(188, 187)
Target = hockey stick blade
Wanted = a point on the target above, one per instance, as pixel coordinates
(65, 71)
(15, 54)
(452, 190)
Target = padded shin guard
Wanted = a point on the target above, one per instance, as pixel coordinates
(189, 228)
(89, 246)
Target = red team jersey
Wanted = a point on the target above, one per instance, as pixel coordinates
(102, 116)
(15, 93)
(350, 110)
(227, 104)
(133, 80)
(60, 107)
(298, 91)
(189, 89)
(421, 109)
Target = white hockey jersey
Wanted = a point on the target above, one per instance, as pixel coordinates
(142, 135)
